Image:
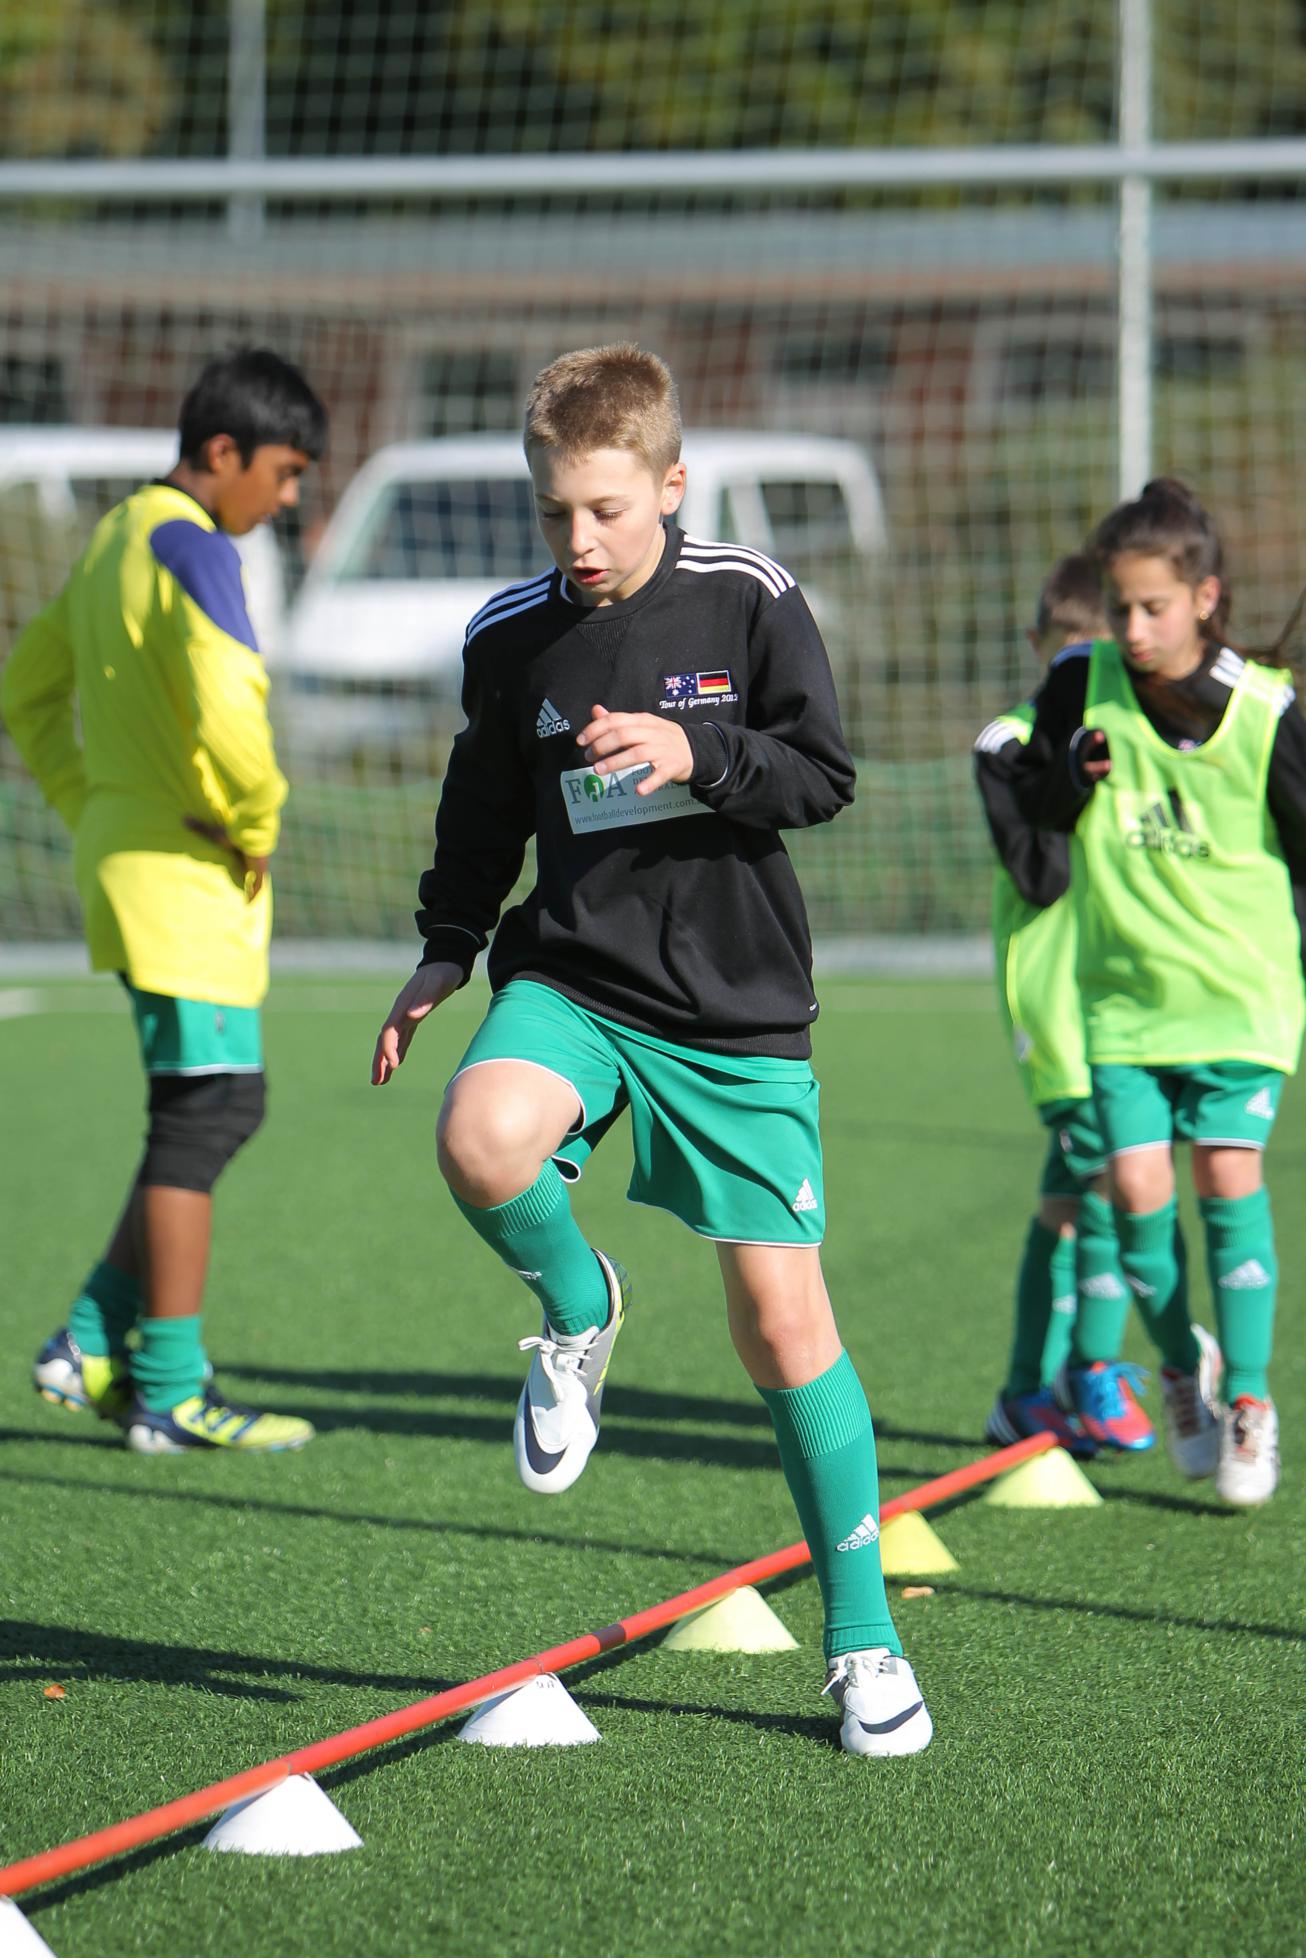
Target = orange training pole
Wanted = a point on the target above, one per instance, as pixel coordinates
(157, 1822)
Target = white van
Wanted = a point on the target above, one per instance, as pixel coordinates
(56, 484)
(427, 531)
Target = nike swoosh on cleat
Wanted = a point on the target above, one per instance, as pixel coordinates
(539, 1458)
(890, 1726)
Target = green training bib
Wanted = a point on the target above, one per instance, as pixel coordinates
(1188, 943)
(1034, 953)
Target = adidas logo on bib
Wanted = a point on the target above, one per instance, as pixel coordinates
(1262, 1104)
(1249, 1276)
(550, 721)
(866, 1533)
(806, 1198)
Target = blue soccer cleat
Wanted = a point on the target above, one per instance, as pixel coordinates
(1015, 1417)
(66, 1377)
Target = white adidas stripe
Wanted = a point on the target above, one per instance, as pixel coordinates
(736, 564)
(703, 550)
(996, 736)
(507, 603)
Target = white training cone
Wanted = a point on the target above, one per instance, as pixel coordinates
(296, 1818)
(742, 1621)
(541, 1713)
(17, 1938)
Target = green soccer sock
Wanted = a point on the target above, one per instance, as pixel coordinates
(1244, 1284)
(1061, 1317)
(170, 1364)
(1034, 1301)
(827, 1450)
(1103, 1295)
(537, 1237)
(1152, 1256)
(104, 1311)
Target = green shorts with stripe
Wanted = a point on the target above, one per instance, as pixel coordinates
(193, 1036)
(1076, 1149)
(729, 1143)
(1233, 1103)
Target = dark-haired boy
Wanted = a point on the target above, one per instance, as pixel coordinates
(1064, 1374)
(173, 797)
(654, 710)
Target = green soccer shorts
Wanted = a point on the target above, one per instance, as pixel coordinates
(1076, 1149)
(193, 1036)
(1229, 1103)
(729, 1143)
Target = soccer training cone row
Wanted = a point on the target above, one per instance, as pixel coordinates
(1051, 1481)
(541, 1713)
(742, 1621)
(296, 1818)
(910, 1548)
(17, 1938)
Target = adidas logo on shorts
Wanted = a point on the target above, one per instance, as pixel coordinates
(806, 1198)
(1249, 1276)
(1262, 1104)
(550, 721)
(866, 1533)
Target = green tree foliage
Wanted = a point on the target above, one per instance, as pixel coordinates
(79, 79)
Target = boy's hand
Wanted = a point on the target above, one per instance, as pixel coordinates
(428, 986)
(615, 741)
(255, 868)
(1090, 757)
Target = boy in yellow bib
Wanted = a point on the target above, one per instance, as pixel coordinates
(173, 797)
(1181, 769)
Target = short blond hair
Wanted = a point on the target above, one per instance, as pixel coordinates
(617, 397)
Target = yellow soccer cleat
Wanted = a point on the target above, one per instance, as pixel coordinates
(208, 1421)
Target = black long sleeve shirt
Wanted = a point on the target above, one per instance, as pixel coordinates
(688, 924)
(1048, 791)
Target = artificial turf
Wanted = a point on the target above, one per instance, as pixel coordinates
(1118, 1693)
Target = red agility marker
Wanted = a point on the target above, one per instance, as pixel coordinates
(187, 1809)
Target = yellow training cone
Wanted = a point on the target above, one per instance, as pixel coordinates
(910, 1548)
(1051, 1481)
(742, 1621)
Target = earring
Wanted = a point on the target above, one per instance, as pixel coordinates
(1203, 616)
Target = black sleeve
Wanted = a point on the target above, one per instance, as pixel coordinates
(788, 766)
(484, 820)
(1048, 792)
(1285, 795)
(1037, 860)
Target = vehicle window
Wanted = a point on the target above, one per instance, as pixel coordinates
(808, 519)
(457, 529)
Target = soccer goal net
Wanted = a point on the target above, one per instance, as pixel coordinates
(900, 366)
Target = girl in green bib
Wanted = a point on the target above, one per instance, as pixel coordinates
(1179, 767)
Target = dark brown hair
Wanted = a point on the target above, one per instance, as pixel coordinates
(1071, 599)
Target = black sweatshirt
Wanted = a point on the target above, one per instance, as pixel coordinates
(687, 923)
(1036, 860)
(1050, 792)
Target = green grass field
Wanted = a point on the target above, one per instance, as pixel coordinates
(1117, 1693)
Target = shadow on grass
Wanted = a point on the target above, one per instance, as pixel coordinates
(426, 1526)
(502, 1389)
(1095, 1608)
(86, 1655)
(824, 1730)
(99, 1437)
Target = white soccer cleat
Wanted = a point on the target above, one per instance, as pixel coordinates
(1248, 1470)
(883, 1712)
(557, 1420)
(1192, 1413)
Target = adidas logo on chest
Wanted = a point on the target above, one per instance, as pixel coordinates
(549, 721)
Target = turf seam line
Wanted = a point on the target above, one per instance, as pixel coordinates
(71, 1857)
